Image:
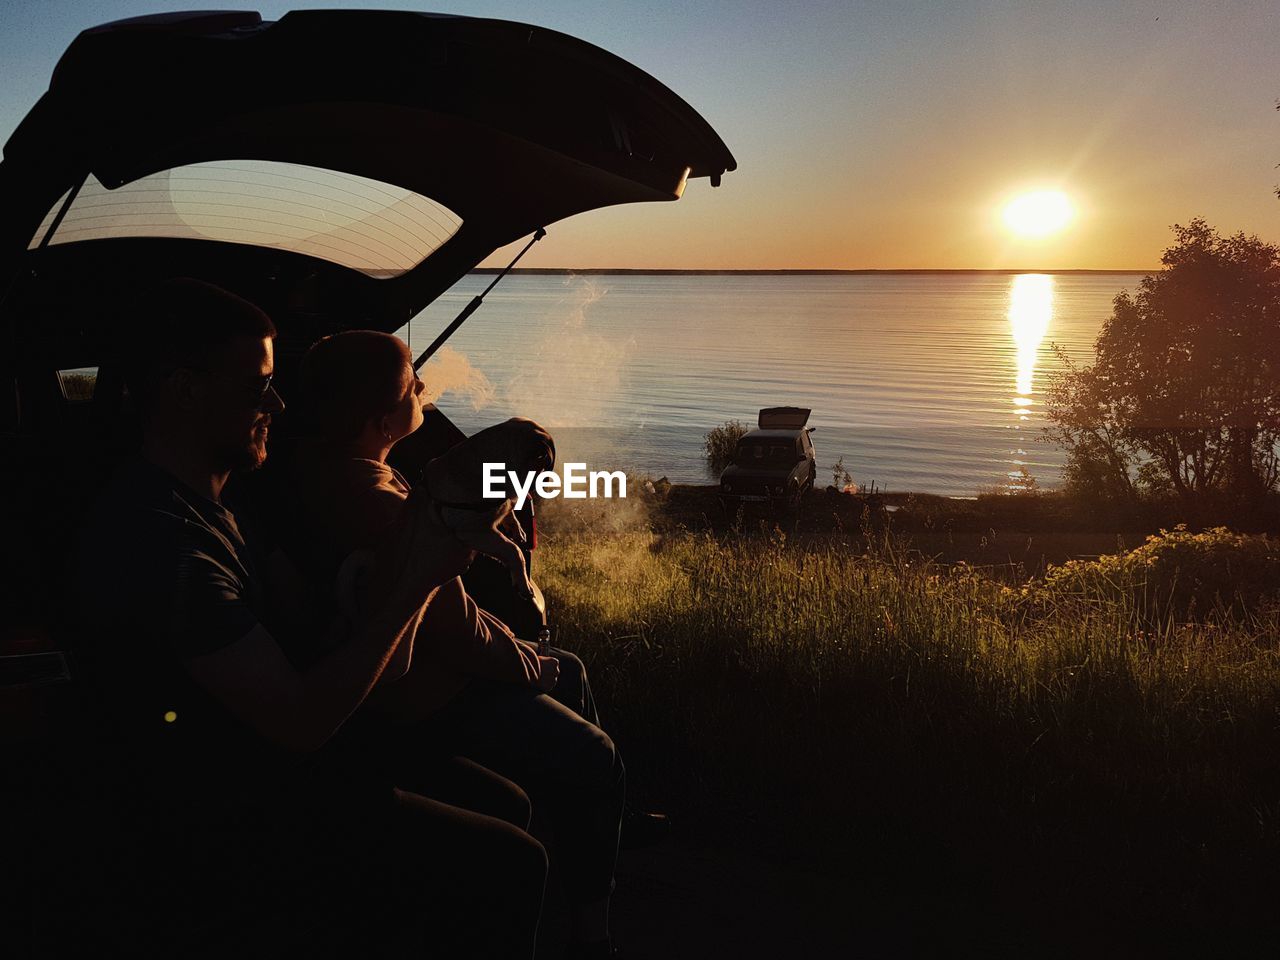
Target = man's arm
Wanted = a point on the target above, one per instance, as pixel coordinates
(254, 680)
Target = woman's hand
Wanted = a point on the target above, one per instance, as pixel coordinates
(431, 553)
(548, 674)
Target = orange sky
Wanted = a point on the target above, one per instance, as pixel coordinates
(887, 135)
(892, 139)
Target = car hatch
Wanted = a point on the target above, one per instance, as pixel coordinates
(783, 418)
(501, 128)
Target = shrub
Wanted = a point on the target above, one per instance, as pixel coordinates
(1188, 575)
(720, 443)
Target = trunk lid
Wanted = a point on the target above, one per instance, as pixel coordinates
(510, 127)
(783, 418)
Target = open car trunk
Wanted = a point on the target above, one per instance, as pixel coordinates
(783, 418)
(508, 126)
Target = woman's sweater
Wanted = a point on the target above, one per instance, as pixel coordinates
(353, 503)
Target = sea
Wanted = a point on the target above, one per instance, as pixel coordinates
(930, 382)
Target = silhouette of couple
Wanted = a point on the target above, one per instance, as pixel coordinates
(273, 774)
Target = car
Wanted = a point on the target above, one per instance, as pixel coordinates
(774, 463)
(332, 198)
(339, 168)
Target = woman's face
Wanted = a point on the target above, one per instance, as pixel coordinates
(407, 415)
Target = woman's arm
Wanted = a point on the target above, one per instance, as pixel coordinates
(402, 659)
(459, 633)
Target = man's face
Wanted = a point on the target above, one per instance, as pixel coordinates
(236, 403)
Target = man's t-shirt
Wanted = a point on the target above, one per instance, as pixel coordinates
(164, 575)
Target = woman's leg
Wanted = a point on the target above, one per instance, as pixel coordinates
(438, 880)
(570, 767)
(573, 689)
(464, 783)
(639, 829)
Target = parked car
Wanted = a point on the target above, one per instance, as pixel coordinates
(774, 463)
(339, 168)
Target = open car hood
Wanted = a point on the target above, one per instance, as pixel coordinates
(508, 126)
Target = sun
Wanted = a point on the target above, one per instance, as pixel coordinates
(1038, 214)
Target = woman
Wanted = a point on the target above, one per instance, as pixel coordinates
(472, 688)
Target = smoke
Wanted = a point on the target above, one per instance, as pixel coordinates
(565, 382)
(600, 516)
(450, 372)
(575, 371)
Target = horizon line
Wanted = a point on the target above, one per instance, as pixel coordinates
(672, 271)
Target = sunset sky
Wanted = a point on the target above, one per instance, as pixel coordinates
(891, 134)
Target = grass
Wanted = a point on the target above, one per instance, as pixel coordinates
(837, 701)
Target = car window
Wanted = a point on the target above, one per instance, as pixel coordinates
(376, 228)
(77, 383)
(761, 453)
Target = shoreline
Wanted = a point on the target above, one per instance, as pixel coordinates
(1011, 536)
(672, 272)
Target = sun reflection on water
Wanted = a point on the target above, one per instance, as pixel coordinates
(1030, 311)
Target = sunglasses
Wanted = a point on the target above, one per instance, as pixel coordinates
(257, 388)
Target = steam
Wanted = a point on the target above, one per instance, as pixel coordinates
(451, 372)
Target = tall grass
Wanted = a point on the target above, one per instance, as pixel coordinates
(826, 704)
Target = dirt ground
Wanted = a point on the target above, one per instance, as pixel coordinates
(677, 903)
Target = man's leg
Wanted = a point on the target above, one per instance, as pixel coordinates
(366, 874)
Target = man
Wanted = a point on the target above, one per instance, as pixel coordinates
(243, 823)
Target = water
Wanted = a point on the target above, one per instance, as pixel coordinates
(930, 383)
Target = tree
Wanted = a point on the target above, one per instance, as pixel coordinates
(1101, 462)
(1184, 393)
